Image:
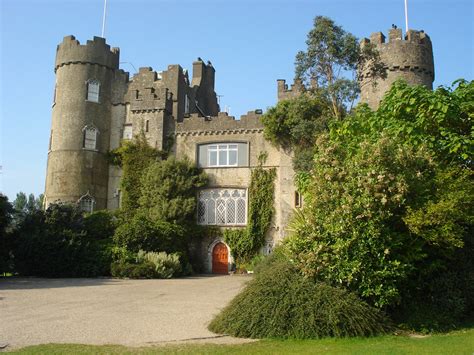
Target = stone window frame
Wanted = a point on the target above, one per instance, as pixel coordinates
(93, 90)
(214, 206)
(86, 203)
(93, 128)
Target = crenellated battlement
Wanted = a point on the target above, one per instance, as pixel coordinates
(95, 51)
(222, 123)
(396, 35)
(285, 93)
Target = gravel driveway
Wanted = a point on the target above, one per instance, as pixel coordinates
(111, 311)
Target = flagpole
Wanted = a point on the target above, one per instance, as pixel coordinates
(406, 15)
(104, 17)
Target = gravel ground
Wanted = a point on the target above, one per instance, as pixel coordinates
(111, 311)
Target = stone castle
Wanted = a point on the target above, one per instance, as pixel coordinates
(97, 105)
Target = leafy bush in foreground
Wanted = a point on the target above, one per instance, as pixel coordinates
(280, 302)
(149, 265)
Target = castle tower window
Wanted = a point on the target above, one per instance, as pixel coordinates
(89, 137)
(147, 125)
(128, 132)
(186, 104)
(86, 203)
(222, 207)
(93, 89)
(298, 200)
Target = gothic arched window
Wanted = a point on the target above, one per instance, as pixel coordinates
(93, 90)
(89, 137)
(86, 203)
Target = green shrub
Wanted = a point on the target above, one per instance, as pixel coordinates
(142, 233)
(166, 265)
(100, 224)
(279, 302)
(54, 243)
(148, 265)
(145, 270)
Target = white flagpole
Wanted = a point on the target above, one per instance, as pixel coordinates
(406, 15)
(104, 17)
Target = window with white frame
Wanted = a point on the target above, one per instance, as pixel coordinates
(222, 155)
(93, 89)
(86, 203)
(89, 137)
(222, 207)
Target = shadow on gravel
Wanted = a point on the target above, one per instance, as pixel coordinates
(28, 283)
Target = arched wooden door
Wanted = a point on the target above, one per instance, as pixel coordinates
(220, 259)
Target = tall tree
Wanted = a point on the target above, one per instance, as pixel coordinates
(331, 58)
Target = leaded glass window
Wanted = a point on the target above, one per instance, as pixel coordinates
(222, 207)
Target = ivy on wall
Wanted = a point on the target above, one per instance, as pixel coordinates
(134, 157)
(245, 243)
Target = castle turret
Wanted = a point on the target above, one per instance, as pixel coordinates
(409, 58)
(81, 122)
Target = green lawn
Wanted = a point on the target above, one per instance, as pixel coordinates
(458, 342)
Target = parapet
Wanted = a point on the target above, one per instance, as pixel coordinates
(395, 35)
(97, 51)
(220, 124)
(284, 93)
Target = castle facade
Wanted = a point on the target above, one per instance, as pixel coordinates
(97, 105)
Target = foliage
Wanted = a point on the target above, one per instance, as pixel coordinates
(100, 224)
(330, 55)
(166, 265)
(134, 157)
(294, 124)
(143, 233)
(388, 203)
(351, 231)
(122, 269)
(6, 211)
(245, 243)
(440, 120)
(148, 265)
(54, 243)
(280, 303)
(169, 188)
(22, 203)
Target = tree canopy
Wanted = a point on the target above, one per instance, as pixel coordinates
(330, 62)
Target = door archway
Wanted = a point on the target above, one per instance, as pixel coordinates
(220, 259)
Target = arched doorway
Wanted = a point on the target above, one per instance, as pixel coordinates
(220, 259)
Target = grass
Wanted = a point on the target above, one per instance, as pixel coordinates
(457, 342)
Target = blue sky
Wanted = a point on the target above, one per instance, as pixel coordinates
(251, 43)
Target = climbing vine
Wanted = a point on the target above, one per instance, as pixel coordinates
(245, 243)
(134, 157)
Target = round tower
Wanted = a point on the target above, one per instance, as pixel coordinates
(409, 58)
(80, 130)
